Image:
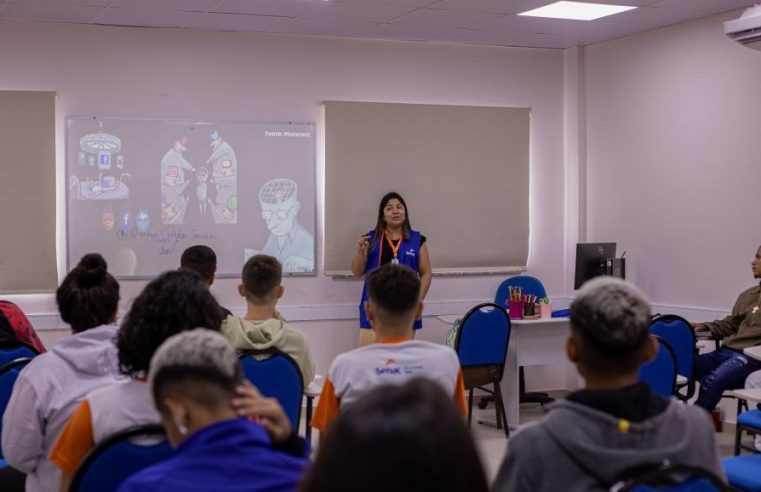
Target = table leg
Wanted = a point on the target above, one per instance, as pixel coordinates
(510, 390)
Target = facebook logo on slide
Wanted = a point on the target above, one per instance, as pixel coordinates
(104, 160)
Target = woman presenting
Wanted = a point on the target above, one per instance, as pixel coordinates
(392, 241)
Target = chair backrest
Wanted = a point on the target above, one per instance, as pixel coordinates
(678, 333)
(673, 478)
(660, 373)
(277, 376)
(484, 336)
(118, 457)
(13, 349)
(8, 374)
(530, 285)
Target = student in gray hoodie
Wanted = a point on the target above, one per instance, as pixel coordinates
(615, 424)
(52, 385)
(263, 327)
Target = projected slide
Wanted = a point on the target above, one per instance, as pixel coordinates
(142, 190)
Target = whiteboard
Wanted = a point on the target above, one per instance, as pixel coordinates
(140, 191)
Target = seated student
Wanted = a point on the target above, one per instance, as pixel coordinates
(408, 437)
(171, 303)
(22, 328)
(193, 379)
(50, 387)
(202, 260)
(615, 424)
(727, 367)
(392, 307)
(263, 328)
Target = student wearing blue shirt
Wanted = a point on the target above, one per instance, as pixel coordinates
(196, 383)
(392, 241)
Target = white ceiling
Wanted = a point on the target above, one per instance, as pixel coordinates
(489, 22)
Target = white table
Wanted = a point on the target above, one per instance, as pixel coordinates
(754, 352)
(532, 342)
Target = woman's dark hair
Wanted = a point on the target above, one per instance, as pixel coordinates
(173, 302)
(408, 437)
(89, 295)
(380, 224)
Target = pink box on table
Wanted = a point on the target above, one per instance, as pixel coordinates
(516, 309)
(545, 310)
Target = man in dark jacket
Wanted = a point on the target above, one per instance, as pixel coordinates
(727, 367)
(615, 424)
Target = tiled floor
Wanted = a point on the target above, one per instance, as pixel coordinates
(493, 445)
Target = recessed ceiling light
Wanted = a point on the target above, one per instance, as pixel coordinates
(576, 10)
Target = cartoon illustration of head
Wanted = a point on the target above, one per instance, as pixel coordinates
(180, 144)
(109, 219)
(143, 220)
(216, 139)
(280, 205)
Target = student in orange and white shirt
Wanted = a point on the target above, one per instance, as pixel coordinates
(395, 358)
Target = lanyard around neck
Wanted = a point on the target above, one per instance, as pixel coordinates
(394, 249)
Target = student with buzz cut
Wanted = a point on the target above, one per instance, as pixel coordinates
(202, 261)
(196, 382)
(263, 327)
(392, 307)
(615, 425)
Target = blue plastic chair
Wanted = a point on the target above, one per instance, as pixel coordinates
(660, 373)
(533, 286)
(673, 478)
(277, 376)
(680, 336)
(481, 346)
(120, 456)
(530, 285)
(12, 350)
(8, 374)
(749, 422)
(744, 472)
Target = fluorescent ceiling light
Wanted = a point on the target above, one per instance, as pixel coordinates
(576, 10)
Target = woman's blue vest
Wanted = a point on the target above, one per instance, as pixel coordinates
(409, 254)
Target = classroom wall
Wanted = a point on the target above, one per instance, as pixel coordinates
(112, 71)
(673, 158)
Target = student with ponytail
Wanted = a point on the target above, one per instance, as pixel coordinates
(52, 385)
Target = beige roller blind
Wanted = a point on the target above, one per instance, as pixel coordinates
(27, 191)
(463, 170)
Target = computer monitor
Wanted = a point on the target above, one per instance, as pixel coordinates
(592, 261)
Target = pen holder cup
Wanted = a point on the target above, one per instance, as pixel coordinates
(545, 310)
(516, 309)
(529, 309)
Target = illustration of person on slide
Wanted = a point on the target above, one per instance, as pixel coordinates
(224, 175)
(289, 241)
(174, 201)
(202, 190)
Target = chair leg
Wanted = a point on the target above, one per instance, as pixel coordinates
(738, 436)
(497, 411)
(500, 404)
(470, 406)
